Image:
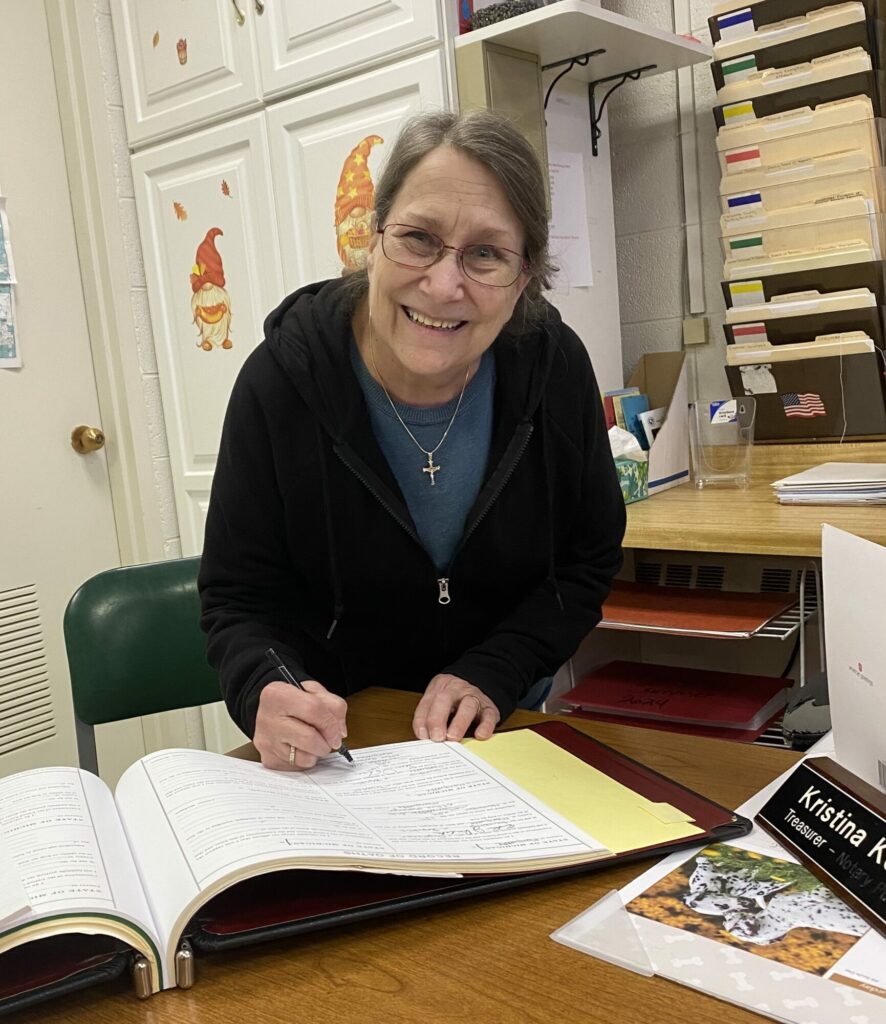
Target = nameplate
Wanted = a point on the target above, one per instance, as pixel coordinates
(834, 823)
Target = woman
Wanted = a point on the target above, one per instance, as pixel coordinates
(414, 487)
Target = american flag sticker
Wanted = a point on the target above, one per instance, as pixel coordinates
(734, 113)
(746, 293)
(750, 332)
(744, 201)
(739, 69)
(743, 159)
(736, 24)
(803, 406)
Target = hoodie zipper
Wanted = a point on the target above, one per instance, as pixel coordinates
(443, 595)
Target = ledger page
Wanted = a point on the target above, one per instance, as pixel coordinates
(64, 840)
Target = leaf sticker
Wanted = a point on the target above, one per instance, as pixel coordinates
(156, 40)
(226, 189)
(180, 211)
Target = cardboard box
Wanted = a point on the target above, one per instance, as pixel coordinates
(815, 399)
(663, 377)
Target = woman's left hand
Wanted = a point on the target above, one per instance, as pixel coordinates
(448, 708)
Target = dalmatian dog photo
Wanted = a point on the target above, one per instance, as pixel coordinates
(763, 910)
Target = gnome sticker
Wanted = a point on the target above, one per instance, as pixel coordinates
(210, 303)
(354, 201)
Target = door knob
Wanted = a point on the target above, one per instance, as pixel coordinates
(87, 439)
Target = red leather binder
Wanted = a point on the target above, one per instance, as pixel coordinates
(295, 902)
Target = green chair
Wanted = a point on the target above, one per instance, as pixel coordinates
(135, 647)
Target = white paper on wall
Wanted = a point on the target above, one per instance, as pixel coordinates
(569, 240)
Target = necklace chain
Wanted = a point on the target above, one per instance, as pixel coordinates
(430, 469)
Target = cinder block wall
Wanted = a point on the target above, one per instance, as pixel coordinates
(647, 177)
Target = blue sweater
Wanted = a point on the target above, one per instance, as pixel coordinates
(438, 511)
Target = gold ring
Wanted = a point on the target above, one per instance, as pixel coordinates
(291, 757)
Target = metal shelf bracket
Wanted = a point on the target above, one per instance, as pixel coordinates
(597, 112)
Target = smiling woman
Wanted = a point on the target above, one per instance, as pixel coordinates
(414, 487)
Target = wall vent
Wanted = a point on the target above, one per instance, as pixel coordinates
(678, 575)
(780, 581)
(26, 712)
(648, 572)
(710, 577)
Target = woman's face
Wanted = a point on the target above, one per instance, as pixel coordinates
(457, 198)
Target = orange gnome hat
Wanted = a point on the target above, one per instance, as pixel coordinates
(355, 187)
(208, 266)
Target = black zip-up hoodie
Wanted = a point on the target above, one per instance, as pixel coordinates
(310, 547)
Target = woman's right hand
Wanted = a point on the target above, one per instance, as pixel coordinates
(294, 729)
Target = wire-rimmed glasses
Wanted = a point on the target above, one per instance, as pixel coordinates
(411, 246)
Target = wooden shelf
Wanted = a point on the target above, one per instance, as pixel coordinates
(570, 28)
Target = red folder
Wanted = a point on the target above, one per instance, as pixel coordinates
(691, 611)
(293, 902)
(727, 700)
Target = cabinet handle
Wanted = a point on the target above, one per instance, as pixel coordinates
(241, 17)
(259, 7)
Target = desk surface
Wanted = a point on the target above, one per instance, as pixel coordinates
(751, 521)
(487, 960)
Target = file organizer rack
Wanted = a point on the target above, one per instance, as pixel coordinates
(787, 186)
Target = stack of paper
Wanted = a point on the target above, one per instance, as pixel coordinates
(796, 76)
(811, 23)
(835, 483)
(802, 304)
(848, 343)
(856, 136)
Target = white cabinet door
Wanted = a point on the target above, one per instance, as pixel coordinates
(302, 44)
(183, 64)
(326, 151)
(212, 264)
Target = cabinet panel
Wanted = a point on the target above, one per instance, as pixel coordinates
(326, 151)
(213, 270)
(303, 44)
(183, 64)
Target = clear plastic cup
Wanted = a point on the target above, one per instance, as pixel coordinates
(721, 439)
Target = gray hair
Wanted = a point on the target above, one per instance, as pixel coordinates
(495, 142)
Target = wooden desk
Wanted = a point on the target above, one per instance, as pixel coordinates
(751, 521)
(488, 960)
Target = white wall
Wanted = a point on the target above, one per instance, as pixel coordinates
(647, 177)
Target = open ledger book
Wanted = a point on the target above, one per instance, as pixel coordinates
(184, 851)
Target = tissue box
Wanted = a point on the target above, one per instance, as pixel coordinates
(633, 478)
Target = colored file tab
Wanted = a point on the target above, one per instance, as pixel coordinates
(739, 69)
(736, 24)
(746, 293)
(744, 201)
(733, 113)
(741, 159)
(751, 332)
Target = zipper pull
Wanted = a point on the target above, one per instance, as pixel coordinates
(443, 597)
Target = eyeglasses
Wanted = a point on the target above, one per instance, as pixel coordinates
(410, 246)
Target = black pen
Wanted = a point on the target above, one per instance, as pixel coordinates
(276, 661)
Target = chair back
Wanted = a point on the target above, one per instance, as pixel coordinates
(135, 646)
